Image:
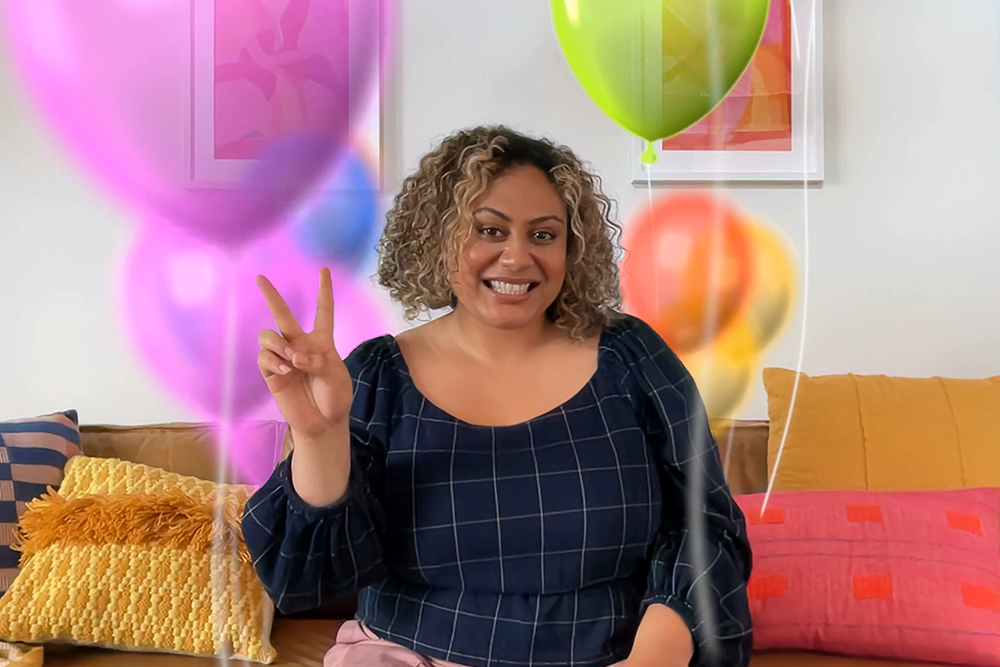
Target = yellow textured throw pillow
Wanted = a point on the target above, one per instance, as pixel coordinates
(130, 557)
(883, 433)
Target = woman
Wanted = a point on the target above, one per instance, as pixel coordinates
(528, 479)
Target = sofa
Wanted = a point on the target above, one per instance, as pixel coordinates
(303, 641)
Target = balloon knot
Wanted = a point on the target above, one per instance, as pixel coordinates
(649, 156)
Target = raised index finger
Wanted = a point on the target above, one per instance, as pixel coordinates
(279, 309)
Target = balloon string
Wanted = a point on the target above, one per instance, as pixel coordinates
(805, 241)
(655, 250)
(697, 493)
(224, 571)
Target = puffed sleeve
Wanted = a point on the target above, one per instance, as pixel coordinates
(701, 559)
(307, 557)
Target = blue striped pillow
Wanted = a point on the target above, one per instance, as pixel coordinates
(33, 454)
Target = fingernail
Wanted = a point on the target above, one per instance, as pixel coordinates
(284, 369)
(289, 352)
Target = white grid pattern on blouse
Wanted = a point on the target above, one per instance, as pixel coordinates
(519, 546)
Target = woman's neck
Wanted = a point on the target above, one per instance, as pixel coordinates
(493, 346)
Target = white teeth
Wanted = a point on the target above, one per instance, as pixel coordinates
(508, 288)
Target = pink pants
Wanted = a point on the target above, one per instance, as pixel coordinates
(357, 646)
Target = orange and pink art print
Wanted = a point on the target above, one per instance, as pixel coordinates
(769, 127)
(757, 113)
(275, 64)
(265, 74)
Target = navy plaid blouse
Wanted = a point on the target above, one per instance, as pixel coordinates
(538, 544)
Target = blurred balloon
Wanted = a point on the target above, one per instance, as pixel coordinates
(341, 225)
(658, 66)
(193, 312)
(772, 292)
(264, 99)
(253, 447)
(725, 371)
(687, 267)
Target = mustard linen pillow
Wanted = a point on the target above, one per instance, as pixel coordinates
(883, 433)
(131, 557)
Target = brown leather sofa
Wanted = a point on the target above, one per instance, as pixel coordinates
(302, 642)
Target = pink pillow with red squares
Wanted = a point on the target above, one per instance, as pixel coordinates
(897, 575)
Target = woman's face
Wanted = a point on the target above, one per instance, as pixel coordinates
(513, 265)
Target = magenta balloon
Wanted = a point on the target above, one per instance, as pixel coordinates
(216, 115)
(193, 313)
(253, 447)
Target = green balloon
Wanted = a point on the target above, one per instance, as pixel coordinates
(657, 67)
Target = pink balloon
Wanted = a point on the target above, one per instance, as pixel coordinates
(253, 447)
(215, 115)
(193, 313)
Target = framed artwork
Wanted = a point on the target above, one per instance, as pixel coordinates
(770, 126)
(248, 66)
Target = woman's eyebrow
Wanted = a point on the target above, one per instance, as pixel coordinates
(506, 218)
(487, 209)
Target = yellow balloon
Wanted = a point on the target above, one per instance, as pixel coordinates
(726, 370)
(768, 304)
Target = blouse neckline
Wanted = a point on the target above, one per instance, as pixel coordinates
(404, 370)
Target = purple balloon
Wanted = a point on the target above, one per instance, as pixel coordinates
(193, 313)
(218, 116)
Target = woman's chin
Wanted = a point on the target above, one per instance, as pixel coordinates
(513, 317)
(504, 311)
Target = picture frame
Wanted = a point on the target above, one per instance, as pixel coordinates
(202, 167)
(793, 154)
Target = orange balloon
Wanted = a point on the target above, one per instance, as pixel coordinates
(687, 267)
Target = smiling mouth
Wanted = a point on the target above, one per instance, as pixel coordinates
(501, 287)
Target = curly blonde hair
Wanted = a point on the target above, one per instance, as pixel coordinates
(431, 218)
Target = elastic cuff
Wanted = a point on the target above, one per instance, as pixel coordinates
(299, 506)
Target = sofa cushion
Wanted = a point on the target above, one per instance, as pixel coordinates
(883, 433)
(185, 448)
(33, 453)
(800, 659)
(743, 449)
(132, 557)
(894, 575)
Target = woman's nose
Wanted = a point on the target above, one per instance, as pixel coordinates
(516, 254)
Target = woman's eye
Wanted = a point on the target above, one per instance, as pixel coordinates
(544, 236)
(490, 231)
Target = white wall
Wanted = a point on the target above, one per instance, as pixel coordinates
(904, 234)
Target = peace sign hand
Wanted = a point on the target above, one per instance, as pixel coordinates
(305, 374)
